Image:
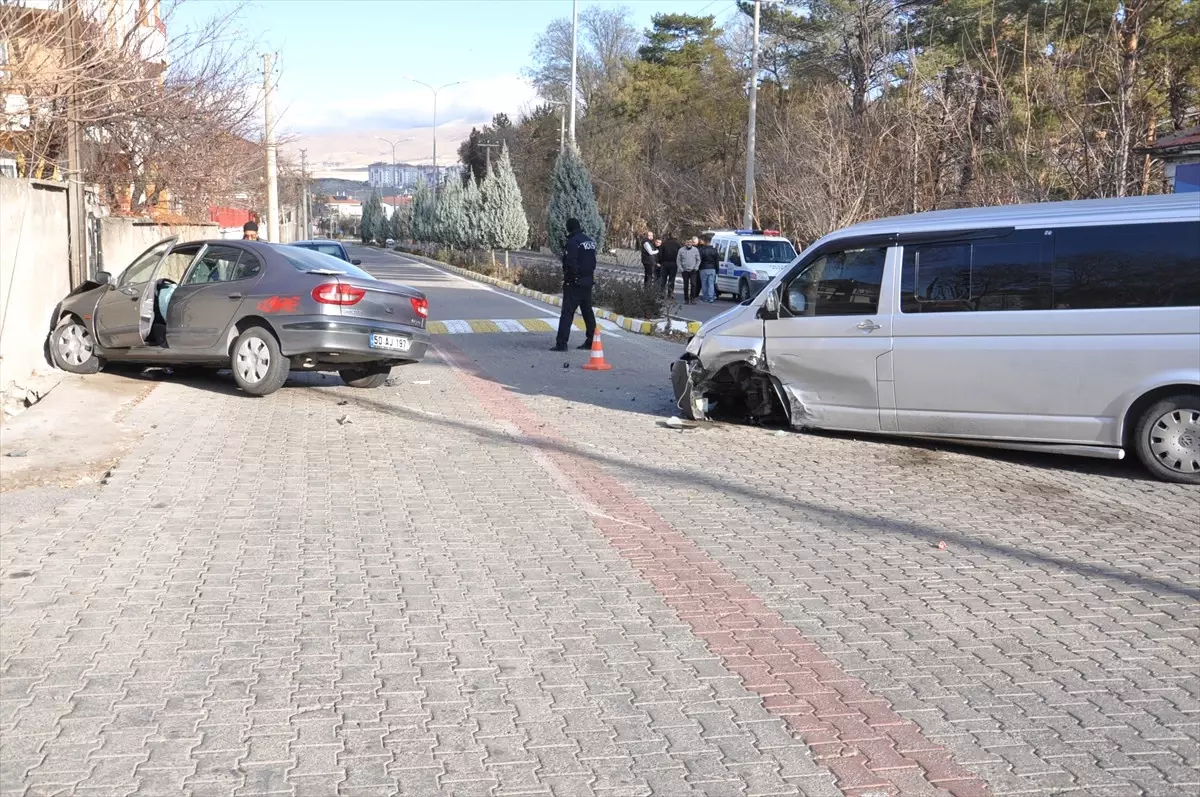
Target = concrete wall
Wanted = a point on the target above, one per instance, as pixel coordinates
(123, 239)
(34, 272)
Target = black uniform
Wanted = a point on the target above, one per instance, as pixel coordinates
(668, 265)
(579, 274)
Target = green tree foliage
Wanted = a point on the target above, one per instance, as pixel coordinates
(474, 230)
(572, 196)
(505, 225)
(423, 216)
(452, 228)
(372, 216)
(399, 229)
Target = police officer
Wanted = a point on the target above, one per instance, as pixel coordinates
(579, 269)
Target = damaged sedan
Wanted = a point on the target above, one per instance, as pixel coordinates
(1067, 327)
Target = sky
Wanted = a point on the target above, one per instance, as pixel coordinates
(342, 62)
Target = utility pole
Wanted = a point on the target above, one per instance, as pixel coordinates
(574, 59)
(304, 194)
(436, 182)
(76, 210)
(272, 172)
(487, 149)
(392, 144)
(748, 212)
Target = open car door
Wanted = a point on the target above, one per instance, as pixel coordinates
(126, 312)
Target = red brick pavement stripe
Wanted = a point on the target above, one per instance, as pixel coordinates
(868, 747)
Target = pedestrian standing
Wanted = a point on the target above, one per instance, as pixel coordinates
(250, 231)
(710, 260)
(649, 259)
(579, 273)
(689, 269)
(668, 265)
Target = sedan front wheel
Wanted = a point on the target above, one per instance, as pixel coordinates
(73, 348)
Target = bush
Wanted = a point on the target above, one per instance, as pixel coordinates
(541, 277)
(629, 298)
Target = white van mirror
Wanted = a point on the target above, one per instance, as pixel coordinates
(769, 309)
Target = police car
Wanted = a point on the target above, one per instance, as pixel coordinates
(749, 260)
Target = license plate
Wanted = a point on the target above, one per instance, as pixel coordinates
(393, 342)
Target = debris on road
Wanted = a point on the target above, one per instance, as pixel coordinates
(15, 454)
(423, 382)
(675, 422)
(342, 421)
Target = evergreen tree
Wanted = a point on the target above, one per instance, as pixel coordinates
(423, 218)
(371, 210)
(474, 216)
(504, 223)
(398, 226)
(451, 215)
(572, 196)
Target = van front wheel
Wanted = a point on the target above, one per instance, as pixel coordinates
(1168, 439)
(743, 291)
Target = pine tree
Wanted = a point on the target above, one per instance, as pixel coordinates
(451, 215)
(398, 225)
(423, 219)
(572, 196)
(369, 213)
(505, 225)
(474, 215)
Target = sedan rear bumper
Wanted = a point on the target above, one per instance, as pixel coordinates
(330, 340)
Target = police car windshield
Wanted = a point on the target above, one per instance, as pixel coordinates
(779, 251)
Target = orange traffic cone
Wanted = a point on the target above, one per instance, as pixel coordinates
(597, 362)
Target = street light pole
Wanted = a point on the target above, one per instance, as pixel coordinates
(435, 96)
(393, 146)
(748, 211)
(574, 59)
(562, 123)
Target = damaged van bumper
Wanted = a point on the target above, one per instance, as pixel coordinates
(733, 386)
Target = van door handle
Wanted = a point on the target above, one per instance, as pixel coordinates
(236, 296)
(130, 291)
(868, 326)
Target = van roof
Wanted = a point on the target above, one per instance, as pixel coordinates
(1163, 207)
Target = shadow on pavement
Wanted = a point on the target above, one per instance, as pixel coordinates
(667, 477)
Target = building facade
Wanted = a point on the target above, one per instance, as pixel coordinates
(404, 175)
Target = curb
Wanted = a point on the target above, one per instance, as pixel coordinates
(639, 326)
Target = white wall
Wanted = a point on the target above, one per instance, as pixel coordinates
(123, 239)
(34, 272)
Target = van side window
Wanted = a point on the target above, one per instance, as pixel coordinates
(735, 253)
(838, 283)
(1127, 265)
(1009, 273)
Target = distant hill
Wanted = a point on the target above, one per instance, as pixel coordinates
(358, 189)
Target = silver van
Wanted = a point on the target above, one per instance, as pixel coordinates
(1071, 327)
(749, 260)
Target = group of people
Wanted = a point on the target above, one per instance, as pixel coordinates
(695, 260)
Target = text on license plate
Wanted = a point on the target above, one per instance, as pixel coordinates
(393, 342)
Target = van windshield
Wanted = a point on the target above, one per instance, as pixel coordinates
(778, 251)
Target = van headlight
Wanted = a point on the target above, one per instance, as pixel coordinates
(693, 344)
(762, 275)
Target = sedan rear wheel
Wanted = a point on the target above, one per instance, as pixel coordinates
(258, 366)
(72, 347)
(366, 377)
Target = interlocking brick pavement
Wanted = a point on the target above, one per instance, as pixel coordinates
(263, 600)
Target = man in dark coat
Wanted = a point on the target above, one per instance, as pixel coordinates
(579, 270)
(668, 265)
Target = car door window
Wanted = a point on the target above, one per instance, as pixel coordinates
(837, 284)
(176, 263)
(218, 264)
(247, 266)
(143, 268)
(735, 253)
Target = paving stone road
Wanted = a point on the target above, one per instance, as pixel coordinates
(500, 576)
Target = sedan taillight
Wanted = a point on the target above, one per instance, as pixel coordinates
(420, 306)
(337, 293)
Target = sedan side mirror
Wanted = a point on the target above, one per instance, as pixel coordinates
(356, 262)
(103, 278)
(769, 309)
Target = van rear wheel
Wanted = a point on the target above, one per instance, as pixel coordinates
(1168, 439)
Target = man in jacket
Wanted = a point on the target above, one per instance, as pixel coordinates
(579, 270)
(668, 265)
(649, 259)
(710, 261)
(689, 264)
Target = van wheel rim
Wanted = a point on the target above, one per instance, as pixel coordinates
(253, 360)
(75, 344)
(1175, 440)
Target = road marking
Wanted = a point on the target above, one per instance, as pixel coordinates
(486, 325)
